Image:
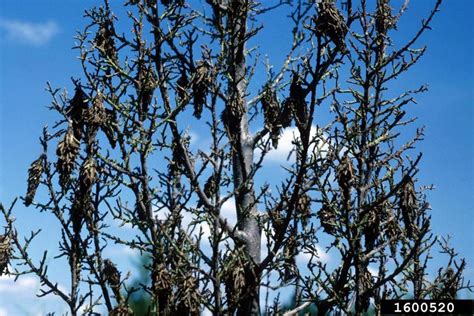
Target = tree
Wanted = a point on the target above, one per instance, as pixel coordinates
(121, 154)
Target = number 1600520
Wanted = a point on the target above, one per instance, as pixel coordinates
(424, 307)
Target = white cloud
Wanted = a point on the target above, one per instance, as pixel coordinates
(373, 271)
(28, 32)
(205, 312)
(193, 138)
(25, 283)
(228, 211)
(122, 224)
(13, 296)
(286, 144)
(304, 257)
(162, 213)
(121, 251)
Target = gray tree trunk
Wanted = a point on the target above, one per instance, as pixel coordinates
(242, 159)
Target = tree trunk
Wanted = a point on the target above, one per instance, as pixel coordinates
(242, 156)
(247, 216)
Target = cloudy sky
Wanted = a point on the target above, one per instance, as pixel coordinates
(35, 47)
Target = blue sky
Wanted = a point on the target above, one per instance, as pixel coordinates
(35, 47)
